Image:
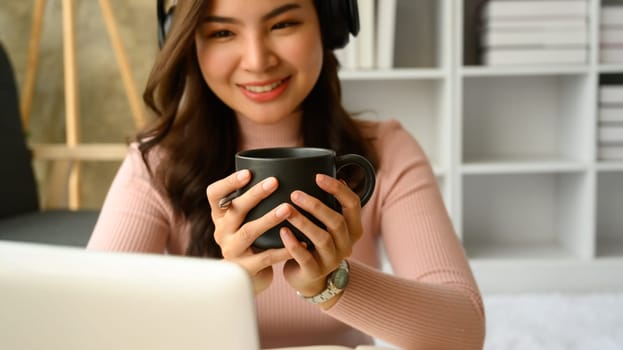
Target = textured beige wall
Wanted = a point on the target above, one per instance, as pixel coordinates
(104, 111)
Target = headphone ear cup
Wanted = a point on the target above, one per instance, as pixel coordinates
(160, 15)
(164, 21)
(352, 16)
(338, 19)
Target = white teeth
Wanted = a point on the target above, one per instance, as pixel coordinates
(264, 88)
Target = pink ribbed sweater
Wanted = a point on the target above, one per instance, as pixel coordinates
(430, 302)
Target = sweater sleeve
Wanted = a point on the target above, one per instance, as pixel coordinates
(134, 216)
(431, 300)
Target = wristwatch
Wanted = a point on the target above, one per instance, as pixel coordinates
(336, 283)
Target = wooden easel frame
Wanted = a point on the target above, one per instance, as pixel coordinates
(72, 150)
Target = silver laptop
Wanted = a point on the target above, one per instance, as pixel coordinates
(69, 298)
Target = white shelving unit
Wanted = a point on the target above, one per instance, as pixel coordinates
(514, 150)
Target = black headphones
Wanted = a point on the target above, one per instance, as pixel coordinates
(164, 20)
(338, 19)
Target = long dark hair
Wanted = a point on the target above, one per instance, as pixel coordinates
(198, 134)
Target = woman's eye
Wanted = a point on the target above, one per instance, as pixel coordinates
(283, 25)
(221, 34)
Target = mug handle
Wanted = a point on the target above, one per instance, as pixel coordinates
(355, 159)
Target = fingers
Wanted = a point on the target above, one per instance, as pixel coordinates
(249, 232)
(308, 270)
(299, 252)
(258, 262)
(223, 198)
(235, 240)
(259, 266)
(219, 189)
(254, 195)
(349, 200)
(345, 227)
(305, 273)
(335, 240)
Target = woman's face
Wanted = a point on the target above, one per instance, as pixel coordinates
(261, 57)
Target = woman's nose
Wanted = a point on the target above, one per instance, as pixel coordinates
(258, 55)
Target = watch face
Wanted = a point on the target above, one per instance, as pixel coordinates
(335, 284)
(340, 278)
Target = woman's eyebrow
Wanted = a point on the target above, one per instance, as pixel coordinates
(274, 13)
(279, 10)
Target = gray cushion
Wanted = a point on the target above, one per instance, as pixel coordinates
(58, 227)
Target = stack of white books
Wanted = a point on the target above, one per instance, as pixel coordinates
(374, 46)
(610, 126)
(516, 32)
(611, 34)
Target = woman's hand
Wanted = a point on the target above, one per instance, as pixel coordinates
(234, 238)
(308, 272)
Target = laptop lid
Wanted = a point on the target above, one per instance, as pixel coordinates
(67, 298)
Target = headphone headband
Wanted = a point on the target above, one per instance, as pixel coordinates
(338, 19)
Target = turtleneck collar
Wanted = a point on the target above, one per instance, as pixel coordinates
(285, 133)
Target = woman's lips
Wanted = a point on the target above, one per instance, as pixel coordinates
(265, 92)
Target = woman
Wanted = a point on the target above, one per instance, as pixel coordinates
(235, 75)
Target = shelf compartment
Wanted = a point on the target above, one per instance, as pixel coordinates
(419, 40)
(471, 26)
(420, 105)
(610, 166)
(527, 216)
(610, 113)
(519, 251)
(527, 117)
(523, 70)
(609, 218)
(611, 68)
(516, 166)
(393, 74)
(541, 275)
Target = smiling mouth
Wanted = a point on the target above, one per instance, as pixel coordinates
(264, 88)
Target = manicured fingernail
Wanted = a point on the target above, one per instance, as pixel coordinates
(283, 232)
(298, 197)
(242, 175)
(269, 183)
(321, 178)
(283, 211)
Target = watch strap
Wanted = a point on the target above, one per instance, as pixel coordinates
(336, 283)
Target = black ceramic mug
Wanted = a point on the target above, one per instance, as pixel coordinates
(295, 169)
